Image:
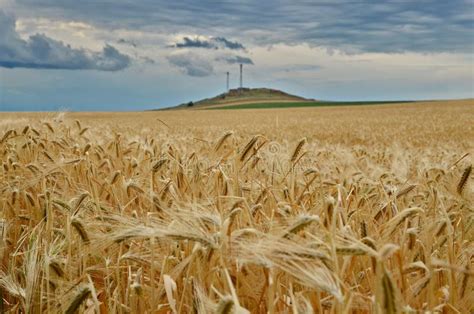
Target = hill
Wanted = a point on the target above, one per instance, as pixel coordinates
(240, 96)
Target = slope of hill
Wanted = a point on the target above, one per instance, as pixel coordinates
(243, 96)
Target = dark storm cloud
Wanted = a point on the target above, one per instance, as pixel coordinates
(195, 43)
(361, 25)
(229, 44)
(42, 52)
(238, 59)
(212, 43)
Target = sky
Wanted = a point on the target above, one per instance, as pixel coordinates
(125, 55)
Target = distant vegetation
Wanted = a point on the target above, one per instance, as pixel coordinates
(243, 95)
(265, 98)
(303, 104)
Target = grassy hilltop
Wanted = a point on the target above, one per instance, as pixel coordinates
(240, 96)
(265, 98)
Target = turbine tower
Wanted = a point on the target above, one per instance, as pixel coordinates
(227, 90)
(241, 70)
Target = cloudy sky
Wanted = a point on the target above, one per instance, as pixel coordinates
(142, 54)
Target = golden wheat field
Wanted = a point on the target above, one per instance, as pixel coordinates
(322, 210)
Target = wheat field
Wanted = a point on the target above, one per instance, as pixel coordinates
(308, 210)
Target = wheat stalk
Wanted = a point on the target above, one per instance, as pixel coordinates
(463, 181)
